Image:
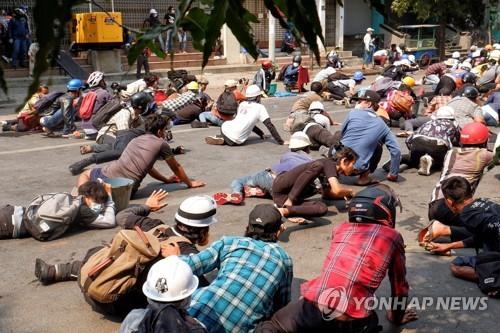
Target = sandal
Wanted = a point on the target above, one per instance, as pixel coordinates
(254, 192)
(221, 198)
(299, 220)
(425, 235)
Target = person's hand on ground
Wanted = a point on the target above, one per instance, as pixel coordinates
(410, 315)
(154, 202)
(439, 248)
(197, 183)
(170, 249)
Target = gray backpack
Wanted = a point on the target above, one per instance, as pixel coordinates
(49, 216)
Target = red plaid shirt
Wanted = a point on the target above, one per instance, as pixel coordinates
(360, 255)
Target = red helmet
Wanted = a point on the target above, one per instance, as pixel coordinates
(266, 64)
(473, 134)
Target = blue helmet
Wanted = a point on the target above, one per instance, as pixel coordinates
(404, 56)
(74, 84)
(358, 76)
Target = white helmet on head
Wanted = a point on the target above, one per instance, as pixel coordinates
(198, 211)
(316, 105)
(170, 280)
(299, 140)
(95, 78)
(411, 57)
(153, 11)
(466, 66)
(445, 112)
(456, 55)
(253, 91)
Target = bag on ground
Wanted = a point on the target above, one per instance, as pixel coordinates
(106, 112)
(488, 271)
(49, 216)
(227, 103)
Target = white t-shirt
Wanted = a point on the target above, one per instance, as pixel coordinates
(133, 88)
(349, 83)
(324, 74)
(249, 114)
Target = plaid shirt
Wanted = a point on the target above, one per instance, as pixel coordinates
(437, 102)
(254, 280)
(360, 255)
(179, 102)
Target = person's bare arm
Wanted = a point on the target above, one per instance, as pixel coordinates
(444, 247)
(338, 191)
(159, 176)
(178, 170)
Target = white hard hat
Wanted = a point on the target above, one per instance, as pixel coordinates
(405, 62)
(231, 83)
(476, 54)
(411, 57)
(369, 29)
(445, 112)
(316, 105)
(456, 55)
(253, 91)
(198, 211)
(95, 78)
(466, 65)
(170, 280)
(496, 46)
(473, 48)
(153, 11)
(299, 140)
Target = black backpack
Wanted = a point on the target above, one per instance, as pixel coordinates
(227, 103)
(488, 271)
(46, 101)
(101, 117)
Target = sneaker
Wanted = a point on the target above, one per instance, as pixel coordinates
(43, 272)
(347, 102)
(214, 140)
(198, 124)
(424, 167)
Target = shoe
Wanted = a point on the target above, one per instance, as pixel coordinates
(44, 272)
(404, 134)
(254, 192)
(77, 168)
(198, 124)
(236, 198)
(214, 140)
(221, 198)
(387, 166)
(347, 102)
(424, 167)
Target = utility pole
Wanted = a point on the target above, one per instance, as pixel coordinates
(272, 36)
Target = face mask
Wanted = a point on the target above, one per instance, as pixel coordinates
(295, 64)
(96, 207)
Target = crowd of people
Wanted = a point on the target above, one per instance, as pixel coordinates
(155, 276)
(15, 37)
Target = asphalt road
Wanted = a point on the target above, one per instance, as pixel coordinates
(32, 165)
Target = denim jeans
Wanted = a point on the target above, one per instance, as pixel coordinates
(19, 51)
(262, 179)
(210, 117)
(414, 123)
(170, 41)
(53, 121)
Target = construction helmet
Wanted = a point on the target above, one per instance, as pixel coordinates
(95, 78)
(375, 204)
(74, 85)
(299, 140)
(141, 101)
(198, 211)
(193, 85)
(170, 280)
(469, 78)
(411, 57)
(316, 105)
(474, 134)
(470, 92)
(253, 91)
(409, 81)
(456, 55)
(358, 76)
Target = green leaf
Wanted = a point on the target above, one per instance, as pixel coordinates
(237, 19)
(214, 25)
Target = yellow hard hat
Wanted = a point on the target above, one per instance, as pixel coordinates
(409, 81)
(193, 85)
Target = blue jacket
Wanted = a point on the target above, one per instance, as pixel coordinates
(18, 28)
(291, 74)
(362, 131)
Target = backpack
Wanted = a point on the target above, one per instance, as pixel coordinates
(46, 101)
(383, 85)
(402, 102)
(101, 117)
(87, 105)
(488, 271)
(338, 76)
(300, 119)
(227, 103)
(49, 216)
(113, 270)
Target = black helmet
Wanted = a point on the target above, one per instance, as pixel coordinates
(470, 92)
(297, 58)
(141, 101)
(375, 204)
(469, 78)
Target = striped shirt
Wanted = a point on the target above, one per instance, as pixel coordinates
(254, 280)
(464, 162)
